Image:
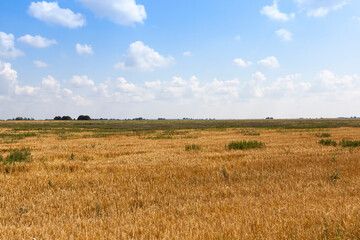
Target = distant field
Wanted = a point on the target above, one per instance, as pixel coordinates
(182, 124)
(181, 179)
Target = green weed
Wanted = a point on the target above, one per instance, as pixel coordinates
(190, 147)
(323, 135)
(245, 145)
(349, 143)
(327, 142)
(23, 155)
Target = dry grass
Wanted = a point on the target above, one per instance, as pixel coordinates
(144, 187)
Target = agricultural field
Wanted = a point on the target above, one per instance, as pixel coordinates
(236, 179)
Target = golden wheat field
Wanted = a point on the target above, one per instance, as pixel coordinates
(179, 184)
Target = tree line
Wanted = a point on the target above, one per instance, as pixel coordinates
(68, 118)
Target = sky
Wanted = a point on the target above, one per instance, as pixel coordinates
(234, 59)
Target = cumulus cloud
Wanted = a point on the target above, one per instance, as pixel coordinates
(241, 63)
(7, 46)
(254, 86)
(51, 13)
(40, 64)
(48, 93)
(284, 34)
(320, 8)
(50, 83)
(143, 58)
(84, 49)
(37, 41)
(269, 62)
(176, 91)
(81, 81)
(26, 90)
(222, 90)
(8, 78)
(331, 81)
(129, 92)
(258, 77)
(289, 83)
(123, 85)
(274, 13)
(124, 12)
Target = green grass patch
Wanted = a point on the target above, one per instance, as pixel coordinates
(190, 147)
(17, 156)
(245, 145)
(343, 143)
(349, 143)
(328, 142)
(323, 135)
(17, 136)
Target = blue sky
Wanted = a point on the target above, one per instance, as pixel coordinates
(174, 59)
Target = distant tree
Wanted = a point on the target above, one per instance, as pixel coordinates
(57, 118)
(19, 118)
(83, 117)
(66, 118)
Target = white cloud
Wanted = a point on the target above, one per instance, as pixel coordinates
(176, 90)
(154, 84)
(269, 62)
(7, 46)
(26, 90)
(284, 34)
(257, 94)
(333, 82)
(241, 63)
(8, 78)
(143, 58)
(51, 13)
(40, 64)
(259, 77)
(123, 85)
(124, 12)
(187, 53)
(288, 86)
(84, 49)
(254, 86)
(238, 37)
(320, 8)
(274, 13)
(46, 96)
(218, 92)
(287, 83)
(129, 92)
(81, 81)
(37, 41)
(51, 84)
(178, 81)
